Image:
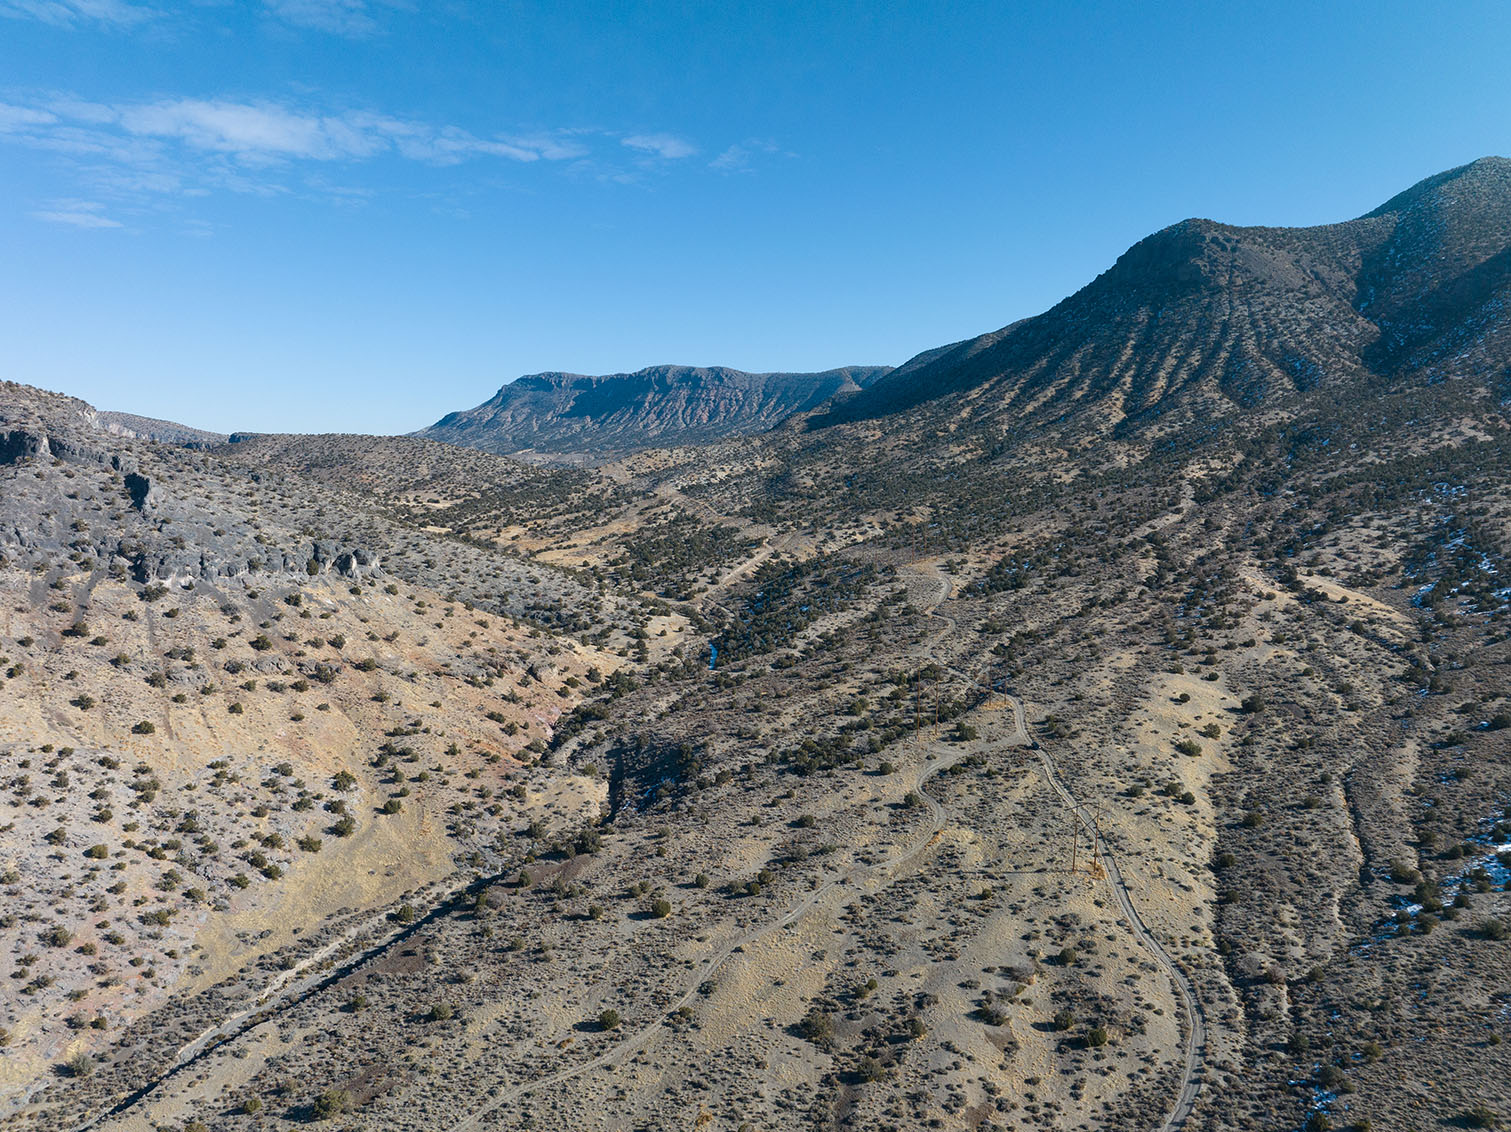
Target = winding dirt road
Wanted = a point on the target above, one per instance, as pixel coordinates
(1190, 1083)
(1196, 1023)
(844, 883)
(1196, 1029)
(308, 979)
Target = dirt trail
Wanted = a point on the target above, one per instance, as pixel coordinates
(307, 979)
(843, 885)
(1196, 1030)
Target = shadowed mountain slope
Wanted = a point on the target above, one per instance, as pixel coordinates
(1204, 319)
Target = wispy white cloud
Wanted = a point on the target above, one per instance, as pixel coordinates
(75, 13)
(20, 118)
(78, 214)
(260, 133)
(340, 17)
(141, 151)
(668, 146)
(264, 132)
(564, 145)
(741, 157)
(735, 159)
(344, 17)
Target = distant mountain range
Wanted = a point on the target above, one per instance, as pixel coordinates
(1198, 322)
(564, 414)
(1204, 320)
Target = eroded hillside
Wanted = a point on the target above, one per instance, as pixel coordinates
(1031, 755)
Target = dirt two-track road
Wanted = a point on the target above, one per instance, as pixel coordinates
(881, 872)
(825, 899)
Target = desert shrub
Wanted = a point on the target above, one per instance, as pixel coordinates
(331, 1103)
(993, 1014)
(816, 1025)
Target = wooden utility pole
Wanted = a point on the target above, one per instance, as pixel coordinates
(1096, 845)
(1075, 839)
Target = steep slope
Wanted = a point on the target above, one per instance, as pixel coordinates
(205, 671)
(163, 432)
(1204, 319)
(565, 413)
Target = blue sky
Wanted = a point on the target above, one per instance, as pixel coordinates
(360, 214)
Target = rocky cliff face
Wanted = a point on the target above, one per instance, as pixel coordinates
(163, 432)
(565, 413)
(133, 508)
(162, 514)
